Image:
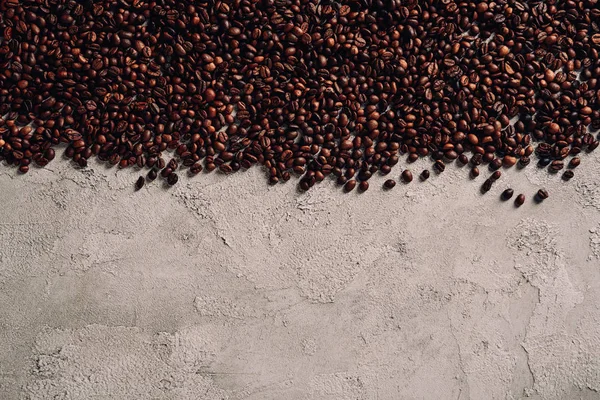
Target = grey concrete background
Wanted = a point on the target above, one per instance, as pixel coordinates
(225, 288)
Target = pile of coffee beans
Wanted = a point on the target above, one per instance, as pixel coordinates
(312, 88)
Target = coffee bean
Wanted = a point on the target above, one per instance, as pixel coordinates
(495, 164)
(574, 163)
(542, 194)
(567, 175)
(424, 175)
(474, 172)
(463, 159)
(152, 175)
(350, 185)
(140, 183)
(509, 161)
(544, 162)
(172, 179)
(520, 200)
(389, 184)
(363, 186)
(556, 166)
(496, 175)
(439, 167)
(487, 185)
(507, 194)
(407, 176)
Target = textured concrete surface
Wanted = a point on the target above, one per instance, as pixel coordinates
(225, 288)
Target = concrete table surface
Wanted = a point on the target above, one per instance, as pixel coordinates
(223, 287)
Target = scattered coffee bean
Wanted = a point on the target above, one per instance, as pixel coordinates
(487, 185)
(439, 167)
(363, 186)
(474, 172)
(567, 175)
(350, 185)
(544, 162)
(574, 163)
(389, 184)
(496, 175)
(140, 183)
(507, 194)
(520, 200)
(407, 176)
(424, 175)
(463, 159)
(524, 161)
(495, 164)
(542, 194)
(152, 175)
(172, 179)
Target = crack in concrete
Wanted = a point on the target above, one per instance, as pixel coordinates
(526, 390)
(464, 380)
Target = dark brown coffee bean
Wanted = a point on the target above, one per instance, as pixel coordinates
(520, 200)
(439, 166)
(463, 159)
(495, 164)
(152, 174)
(140, 183)
(407, 176)
(363, 186)
(487, 185)
(474, 172)
(350, 185)
(542, 194)
(172, 179)
(195, 168)
(424, 175)
(496, 175)
(556, 166)
(390, 183)
(574, 163)
(567, 175)
(507, 194)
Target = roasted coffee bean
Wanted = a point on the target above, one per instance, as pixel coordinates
(172, 179)
(542, 194)
(195, 168)
(487, 185)
(524, 161)
(495, 164)
(350, 185)
(424, 175)
(389, 184)
(140, 183)
(407, 176)
(363, 186)
(556, 166)
(544, 162)
(574, 163)
(463, 159)
(567, 175)
(474, 172)
(495, 176)
(520, 200)
(507, 194)
(152, 175)
(439, 166)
